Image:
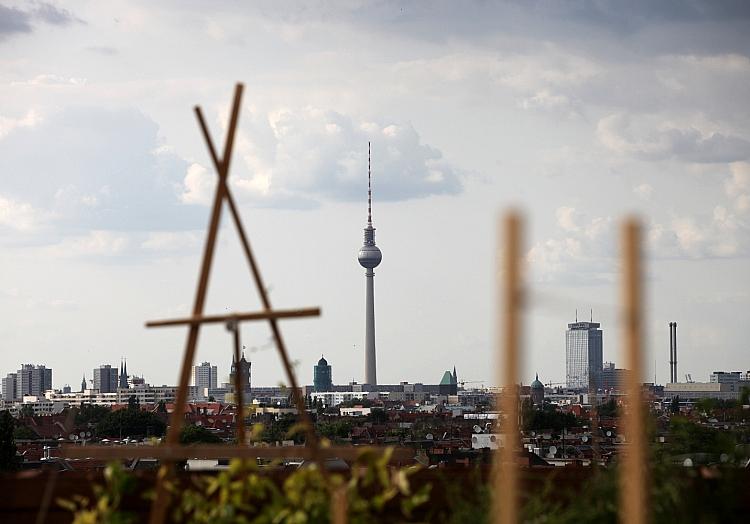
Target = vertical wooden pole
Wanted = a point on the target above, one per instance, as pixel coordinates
(339, 505)
(633, 478)
(505, 498)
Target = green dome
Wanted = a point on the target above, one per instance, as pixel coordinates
(536, 384)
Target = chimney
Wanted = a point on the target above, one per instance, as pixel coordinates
(671, 354)
(674, 343)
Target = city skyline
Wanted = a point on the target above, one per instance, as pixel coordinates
(578, 117)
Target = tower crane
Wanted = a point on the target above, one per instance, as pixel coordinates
(462, 383)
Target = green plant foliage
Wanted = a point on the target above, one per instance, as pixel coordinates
(130, 423)
(608, 409)
(8, 458)
(547, 416)
(90, 414)
(24, 433)
(242, 494)
(106, 506)
(192, 434)
(335, 429)
(688, 437)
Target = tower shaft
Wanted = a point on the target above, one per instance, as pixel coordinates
(370, 359)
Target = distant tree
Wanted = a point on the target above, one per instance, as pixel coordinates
(745, 396)
(377, 416)
(608, 409)
(24, 433)
(130, 423)
(133, 403)
(161, 407)
(547, 417)
(336, 429)
(8, 449)
(90, 414)
(688, 437)
(674, 407)
(284, 428)
(26, 411)
(211, 398)
(192, 434)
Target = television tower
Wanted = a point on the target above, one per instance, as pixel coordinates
(369, 257)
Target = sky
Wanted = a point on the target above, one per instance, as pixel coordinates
(577, 114)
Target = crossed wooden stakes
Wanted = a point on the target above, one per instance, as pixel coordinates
(173, 451)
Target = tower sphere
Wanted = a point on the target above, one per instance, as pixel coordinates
(369, 256)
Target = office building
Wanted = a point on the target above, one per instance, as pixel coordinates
(204, 376)
(32, 380)
(724, 377)
(105, 379)
(9, 387)
(613, 378)
(369, 257)
(322, 376)
(583, 355)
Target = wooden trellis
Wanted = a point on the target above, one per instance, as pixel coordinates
(172, 452)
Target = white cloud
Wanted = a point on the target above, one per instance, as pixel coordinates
(199, 184)
(7, 124)
(171, 241)
(566, 218)
(20, 216)
(96, 243)
(52, 80)
(649, 139)
(737, 186)
(101, 169)
(299, 156)
(582, 253)
(644, 191)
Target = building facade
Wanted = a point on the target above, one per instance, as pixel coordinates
(105, 379)
(244, 369)
(9, 387)
(536, 391)
(583, 355)
(204, 376)
(322, 376)
(613, 378)
(29, 380)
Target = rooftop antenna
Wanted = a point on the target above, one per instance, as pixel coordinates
(576, 314)
(592, 314)
(369, 188)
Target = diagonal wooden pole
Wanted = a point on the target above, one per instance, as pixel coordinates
(312, 438)
(633, 474)
(158, 510)
(505, 499)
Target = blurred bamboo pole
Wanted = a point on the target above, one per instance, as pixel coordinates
(505, 510)
(339, 505)
(633, 478)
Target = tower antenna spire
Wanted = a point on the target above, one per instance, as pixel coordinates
(369, 187)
